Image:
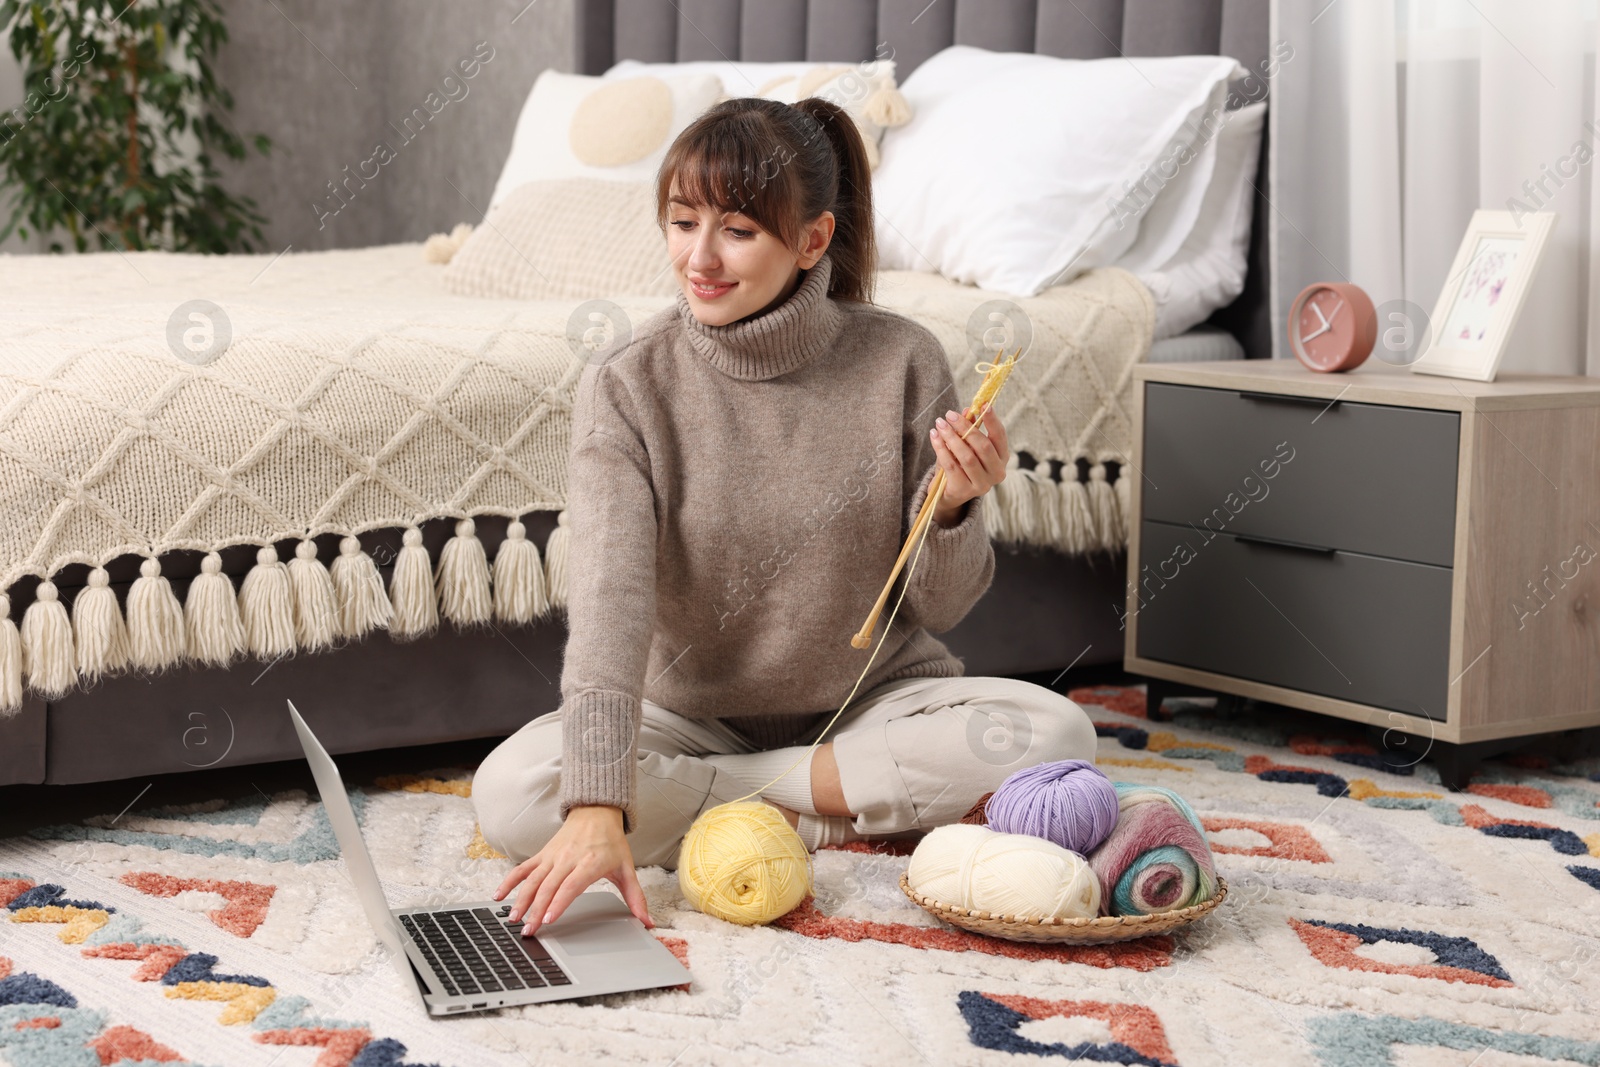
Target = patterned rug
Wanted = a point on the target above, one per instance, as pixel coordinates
(1373, 918)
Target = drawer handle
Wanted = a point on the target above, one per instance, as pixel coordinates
(1271, 542)
(1288, 398)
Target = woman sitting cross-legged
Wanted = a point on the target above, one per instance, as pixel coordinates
(743, 475)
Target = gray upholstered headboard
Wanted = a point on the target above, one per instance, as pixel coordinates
(851, 31)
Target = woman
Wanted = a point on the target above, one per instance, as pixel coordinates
(743, 475)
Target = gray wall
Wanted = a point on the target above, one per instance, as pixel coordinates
(328, 82)
(10, 97)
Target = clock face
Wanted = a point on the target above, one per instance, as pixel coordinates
(1325, 330)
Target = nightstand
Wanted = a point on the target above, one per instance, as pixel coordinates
(1411, 552)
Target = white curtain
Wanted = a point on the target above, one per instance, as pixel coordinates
(1395, 119)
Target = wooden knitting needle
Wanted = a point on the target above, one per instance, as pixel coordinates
(992, 381)
(863, 637)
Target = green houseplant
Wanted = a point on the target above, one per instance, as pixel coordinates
(115, 142)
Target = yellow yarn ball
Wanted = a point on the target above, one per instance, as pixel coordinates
(1003, 874)
(743, 862)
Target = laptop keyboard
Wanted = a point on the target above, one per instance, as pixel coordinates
(477, 951)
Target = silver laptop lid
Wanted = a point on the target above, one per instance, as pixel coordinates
(343, 819)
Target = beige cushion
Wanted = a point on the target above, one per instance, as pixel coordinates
(566, 237)
(579, 126)
(865, 90)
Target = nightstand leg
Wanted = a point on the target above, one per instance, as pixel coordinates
(1455, 763)
(1156, 690)
(1153, 696)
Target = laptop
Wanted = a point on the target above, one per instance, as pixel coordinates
(469, 957)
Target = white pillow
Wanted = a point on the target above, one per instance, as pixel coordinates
(577, 126)
(1012, 169)
(1208, 270)
(1171, 194)
(866, 91)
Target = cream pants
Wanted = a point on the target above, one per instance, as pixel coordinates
(913, 754)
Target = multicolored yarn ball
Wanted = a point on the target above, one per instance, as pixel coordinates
(744, 863)
(1070, 802)
(1003, 874)
(1157, 858)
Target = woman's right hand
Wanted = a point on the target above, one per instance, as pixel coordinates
(590, 845)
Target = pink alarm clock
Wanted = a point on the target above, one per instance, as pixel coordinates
(1332, 326)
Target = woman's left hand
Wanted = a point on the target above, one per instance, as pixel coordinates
(973, 466)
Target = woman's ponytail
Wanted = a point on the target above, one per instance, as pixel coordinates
(853, 249)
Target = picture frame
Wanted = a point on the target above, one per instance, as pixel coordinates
(1483, 294)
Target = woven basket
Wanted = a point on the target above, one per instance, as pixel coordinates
(1096, 931)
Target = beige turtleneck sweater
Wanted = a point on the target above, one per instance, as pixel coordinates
(737, 495)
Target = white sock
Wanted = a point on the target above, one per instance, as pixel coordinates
(757, 769)
(819, 830)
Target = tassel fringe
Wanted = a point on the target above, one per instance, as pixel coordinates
(47, 643)
(156, 638)
(358, 590)
(888, 107)
(1123, 487)
(305, 605)
(1050, 508)
(1079, 526)
(1069, 515)
(216, 632)
(316, 615)
(1024, 515)
(555, 561)
(1106, 509)
(442, 247)
(519, 593)
(98, 631)
(266, 606)
(411, 590)
(463, 579)
(999, 514)
(10, 661)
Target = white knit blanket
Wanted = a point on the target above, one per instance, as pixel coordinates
(356, 394)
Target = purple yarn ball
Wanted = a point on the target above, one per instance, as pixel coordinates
(1070, 802)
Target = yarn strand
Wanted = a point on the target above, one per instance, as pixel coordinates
(921, 535)
(911, 569)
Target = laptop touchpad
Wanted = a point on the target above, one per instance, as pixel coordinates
(587, 939)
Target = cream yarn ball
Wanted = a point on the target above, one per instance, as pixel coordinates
(1003, 874)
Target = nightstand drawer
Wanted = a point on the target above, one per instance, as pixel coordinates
(1373, 631)
(1364, 478)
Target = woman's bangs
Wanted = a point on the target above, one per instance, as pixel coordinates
(731, 177)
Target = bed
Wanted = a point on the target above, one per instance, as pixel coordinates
(477, 387)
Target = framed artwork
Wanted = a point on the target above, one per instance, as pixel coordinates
(1483, 293)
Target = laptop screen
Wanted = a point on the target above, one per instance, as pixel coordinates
(343, 819)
